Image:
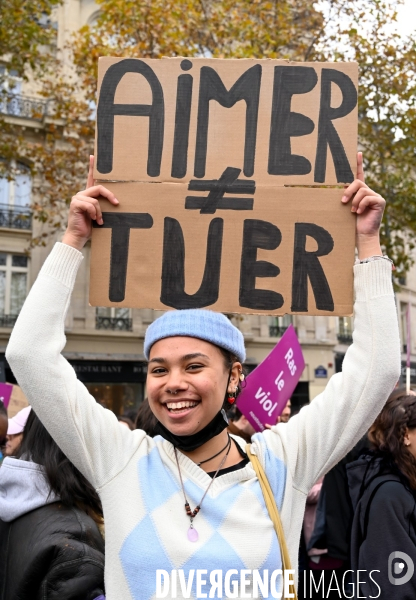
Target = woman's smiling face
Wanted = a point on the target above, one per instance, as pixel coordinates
(187, 382)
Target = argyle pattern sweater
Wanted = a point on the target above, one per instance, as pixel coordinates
(137, 476)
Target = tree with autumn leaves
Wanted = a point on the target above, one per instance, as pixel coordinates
(387, 114)
(26, 48)
(359, 30)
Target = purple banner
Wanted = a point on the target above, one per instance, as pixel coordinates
(271, 384)
(6, 390)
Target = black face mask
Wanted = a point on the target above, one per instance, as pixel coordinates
(192, 442)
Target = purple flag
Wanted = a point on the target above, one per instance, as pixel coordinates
(409, 335)
(6, 390)
(271, 384)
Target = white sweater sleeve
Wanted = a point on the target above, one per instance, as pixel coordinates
(87, 433)
(323, 432)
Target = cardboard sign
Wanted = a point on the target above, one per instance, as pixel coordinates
(6, 390)
(198, 153)
(271, 384)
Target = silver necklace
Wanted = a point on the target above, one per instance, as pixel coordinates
(192, 532)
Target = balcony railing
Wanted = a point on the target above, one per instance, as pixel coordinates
(15, 217)
(18, 105)
(8, 320)
(114, 323)
(345, 338)
(277, 330)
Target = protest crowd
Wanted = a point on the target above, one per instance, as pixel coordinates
(217, 483)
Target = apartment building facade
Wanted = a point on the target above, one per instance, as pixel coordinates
(105, 345)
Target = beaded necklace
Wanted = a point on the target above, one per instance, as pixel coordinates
(192, 532)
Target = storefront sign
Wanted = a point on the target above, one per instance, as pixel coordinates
(271, 384)
(198, 153)
(97, 371)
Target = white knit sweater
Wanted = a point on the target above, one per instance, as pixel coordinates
(137, 477)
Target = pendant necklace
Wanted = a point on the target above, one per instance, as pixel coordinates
(192, 532)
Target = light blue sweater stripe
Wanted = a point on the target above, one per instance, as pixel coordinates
(143, 551)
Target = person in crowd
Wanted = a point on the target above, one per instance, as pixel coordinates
(189, 497)
(239, 425)
(126, 422)
(50, 543)
(382, 486)
(145, 419)
(15, 431)
(309, 519)
(4, 423)
(131, 414)
(327, 529)
(285, 415)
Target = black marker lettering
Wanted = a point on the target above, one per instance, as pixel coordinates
(186, 65)
(286, 124)
(327, 134)
(173, 267)
(258, 234)
(120, 225)
(306, 265)
(107, 110)
(246, 88)
(182, 119)
(227, 183)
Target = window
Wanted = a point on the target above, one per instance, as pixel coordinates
(113, 318)
(15, 198)
(17, 191)
(93, 18)
(10, 89)
(10, 81)
(15, 104)
(13, 286)
(279, 325)
(345, 330)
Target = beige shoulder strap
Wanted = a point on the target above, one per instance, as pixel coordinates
(273, 511)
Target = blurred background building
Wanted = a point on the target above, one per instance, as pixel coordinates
(105, 345)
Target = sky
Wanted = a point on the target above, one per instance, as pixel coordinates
(406, 20)
(407, 17)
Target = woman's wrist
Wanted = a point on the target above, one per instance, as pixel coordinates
(368, 246)
(71, 240)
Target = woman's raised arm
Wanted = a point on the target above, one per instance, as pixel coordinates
(323, 432)
(87, 433)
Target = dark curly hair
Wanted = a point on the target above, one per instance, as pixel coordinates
(387, 433)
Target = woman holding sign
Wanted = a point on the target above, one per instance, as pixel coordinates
(185, 510)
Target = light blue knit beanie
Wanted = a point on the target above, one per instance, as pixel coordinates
(198, 323)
